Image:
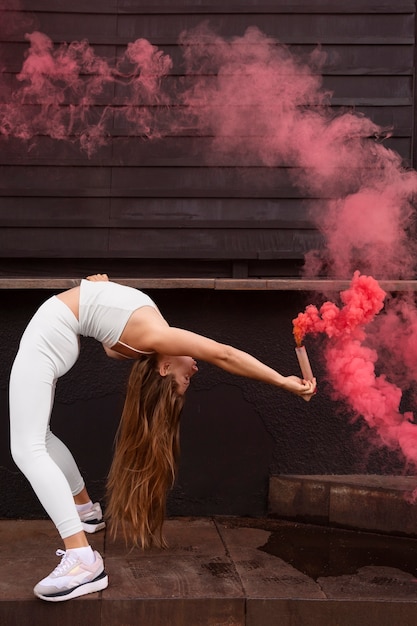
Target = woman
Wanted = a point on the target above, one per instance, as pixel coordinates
(129, 325)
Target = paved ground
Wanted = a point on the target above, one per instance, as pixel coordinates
(221, 572)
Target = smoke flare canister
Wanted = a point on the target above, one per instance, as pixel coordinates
(304, 363)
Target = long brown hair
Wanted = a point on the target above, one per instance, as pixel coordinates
(145, 456)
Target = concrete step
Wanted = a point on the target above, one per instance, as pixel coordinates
(220, 572)
(367, 502)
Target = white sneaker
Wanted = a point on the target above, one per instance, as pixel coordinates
(72, 578)
(92, 520)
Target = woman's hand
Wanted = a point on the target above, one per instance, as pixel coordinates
(300, 387)
(98, 277)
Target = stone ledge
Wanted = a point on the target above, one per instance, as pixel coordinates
(361, 502)
(221, 284)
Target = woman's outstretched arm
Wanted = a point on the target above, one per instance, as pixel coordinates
(176, 341)
(162, 338)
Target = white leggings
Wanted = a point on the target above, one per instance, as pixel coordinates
(48, 349)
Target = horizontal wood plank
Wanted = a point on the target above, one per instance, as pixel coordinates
(145, 268)
(156, 243)
(146, 182)
(203, 182)
(353, 87)
(231, 6)
(50, 180)
(41, 212)
(293, 6)
(214, 243)
(287, 28)
(229, 284)
(53, 242)
(144, 213)
(396, 28)
(137, 151)
(155, 182)
(344, 59)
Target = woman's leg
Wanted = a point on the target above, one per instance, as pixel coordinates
(90, 514)
(30, 407)
(59, 452)
(82, 497)
(48, 349)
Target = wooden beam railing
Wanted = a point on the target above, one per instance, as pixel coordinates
(228, 284)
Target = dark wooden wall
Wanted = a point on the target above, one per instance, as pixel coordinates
(159, 208)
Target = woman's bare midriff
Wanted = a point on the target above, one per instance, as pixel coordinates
(72, 299)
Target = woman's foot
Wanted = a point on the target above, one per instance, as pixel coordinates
(72, 578)
(92, 520)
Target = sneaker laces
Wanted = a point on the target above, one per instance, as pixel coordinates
(67, 562)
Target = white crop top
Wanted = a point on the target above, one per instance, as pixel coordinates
(105, 308)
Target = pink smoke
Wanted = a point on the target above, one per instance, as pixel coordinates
(265, 104)
(145, 96)
(68, 92)
(350, 362)
(362, 301)
(248, 92)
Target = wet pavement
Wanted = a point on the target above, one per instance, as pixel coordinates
(221, 572)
